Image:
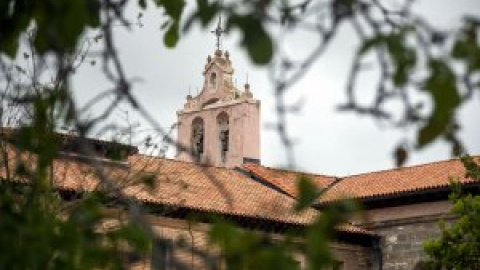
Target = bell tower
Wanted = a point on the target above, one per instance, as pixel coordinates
(221, 125)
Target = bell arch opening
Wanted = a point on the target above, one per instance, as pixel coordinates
(223, 128)
(213, 81)
(198, 138)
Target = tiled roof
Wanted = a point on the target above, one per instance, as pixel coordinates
(68, 140)
(369, 185)
(424, 177)
(286, 180)
(213, 189)
(184, 185)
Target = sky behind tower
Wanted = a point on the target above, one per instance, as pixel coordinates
(326, 141)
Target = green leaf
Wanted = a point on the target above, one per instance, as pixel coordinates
(441, 85)
(403, 57)
(255, 38)
(10, 46)
(467, 49)
(173, 8)
(135, 235)
(171, 37)
(369, 44)
(307, 193)
(473, 169)
(206, 12)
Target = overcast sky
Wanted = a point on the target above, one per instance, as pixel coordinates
(327, 141)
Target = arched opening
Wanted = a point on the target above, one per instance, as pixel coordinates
(223, 135)
(198, 138)
(213, 81)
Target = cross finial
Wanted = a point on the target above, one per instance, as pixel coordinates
(218, 32)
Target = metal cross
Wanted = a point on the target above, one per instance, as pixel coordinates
(218, 32)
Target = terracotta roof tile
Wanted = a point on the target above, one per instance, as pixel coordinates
(188, 185)
(408, 179)
(214, 189)
(181, 184)
(286, 180)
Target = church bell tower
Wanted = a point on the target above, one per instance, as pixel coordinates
(221, 125)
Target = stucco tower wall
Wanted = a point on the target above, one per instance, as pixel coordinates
(244, 126)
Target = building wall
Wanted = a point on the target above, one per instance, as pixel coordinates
(352, 257)
(244, 125)
(404, 229)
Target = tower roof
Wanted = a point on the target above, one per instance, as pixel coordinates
(218, 87)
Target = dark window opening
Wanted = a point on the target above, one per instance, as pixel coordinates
(224, 135)
(162, 254)
(213, 81)
(198, 137)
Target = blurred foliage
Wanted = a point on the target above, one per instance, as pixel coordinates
(412, 55)
(458, 246)
(59, 33)
(36, 234)
(308, 248)
(403, 44)
(40, 228)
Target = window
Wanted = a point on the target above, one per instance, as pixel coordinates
(162, 252)
(198, 136)
(213, 81)
(223, 135)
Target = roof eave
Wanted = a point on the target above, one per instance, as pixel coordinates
(407, 197)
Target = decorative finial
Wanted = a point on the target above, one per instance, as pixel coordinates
(218, 32)
(247, 93)
(189, 96)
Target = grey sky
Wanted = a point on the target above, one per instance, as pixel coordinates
(328, 142)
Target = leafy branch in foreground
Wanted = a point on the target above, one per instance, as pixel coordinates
(429, 70)
(412, 55)
(305, 248)
(458, 246)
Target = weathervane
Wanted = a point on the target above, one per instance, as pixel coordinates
(218, 32)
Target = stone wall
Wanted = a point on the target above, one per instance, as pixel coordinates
(351, 257)
(402, 245)
(404, 229)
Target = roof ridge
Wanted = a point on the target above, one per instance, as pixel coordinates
(406, 167)
(184, 162)
(292, 171)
